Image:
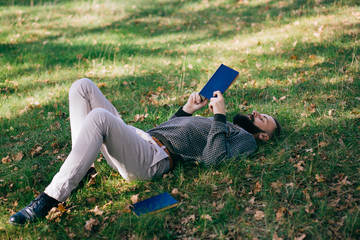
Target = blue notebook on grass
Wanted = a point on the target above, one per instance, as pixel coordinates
(221, 80)
(154, 204)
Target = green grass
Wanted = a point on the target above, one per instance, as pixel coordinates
(151, 55)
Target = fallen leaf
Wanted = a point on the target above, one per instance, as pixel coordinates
(140, 117)
(298, 166)
(275, 237)
(18, 156)
(187, 220)
(312, 108)
(101, 85)
(280, 213)
(301, 237)
(6, 160)
(54, 214)
(252, 200)
(134, 198)
(175, 191)
(206, 217)
(259, 215)
(319, 194)
(35, 151)
(276, 185)
(97, 211)
(282, 98)
(345, 182)
(320, 178)
(220, 206)
(257, 187)
(91, 223)
(294, 57)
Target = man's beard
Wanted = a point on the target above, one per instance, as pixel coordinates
(246, 123)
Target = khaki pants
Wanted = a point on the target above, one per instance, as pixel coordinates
(96, 125)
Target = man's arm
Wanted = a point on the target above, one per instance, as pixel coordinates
(193, 104)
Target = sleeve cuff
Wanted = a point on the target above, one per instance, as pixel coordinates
(182, 113)
(220, 117)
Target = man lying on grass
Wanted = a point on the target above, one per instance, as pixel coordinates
(138, 155)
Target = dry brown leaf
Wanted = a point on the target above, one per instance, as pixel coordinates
(175, 191)
(220, 206)
(299, 167)
(134, 198)
(140, 117)
(275, 237)
(276, 185)
(18, 156)
(101, 85)
(280, 213)
(302, 237)
(6, 160)
(345, 182)
(54, 214)
(257, 187)
(282, 98)
(35, 151)
(91, 223)
(320, 178)
(294, 57)
(206, 217)
(186, 220)
(319, 194)
(97, 211)
(259, 215)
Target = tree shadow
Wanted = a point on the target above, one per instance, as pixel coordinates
(30, 2)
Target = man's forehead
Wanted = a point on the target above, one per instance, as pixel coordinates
(271, 119)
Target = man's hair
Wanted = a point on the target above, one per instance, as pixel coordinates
(278, 129)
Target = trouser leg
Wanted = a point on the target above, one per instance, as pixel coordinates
(130, 153)
(85, 96)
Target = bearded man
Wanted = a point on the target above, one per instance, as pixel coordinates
(137, 155)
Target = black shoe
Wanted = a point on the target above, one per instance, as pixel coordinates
(37, 209)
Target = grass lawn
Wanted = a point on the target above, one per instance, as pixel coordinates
(298, 60)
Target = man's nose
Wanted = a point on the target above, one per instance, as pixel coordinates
(255, 113)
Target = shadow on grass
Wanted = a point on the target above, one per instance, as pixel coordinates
(30, 2)
(50, 55)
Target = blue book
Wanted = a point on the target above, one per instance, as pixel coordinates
(221, 80)
(154, 204)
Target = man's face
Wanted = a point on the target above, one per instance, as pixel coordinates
(256, 123)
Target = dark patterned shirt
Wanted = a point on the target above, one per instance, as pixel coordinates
(206, 140)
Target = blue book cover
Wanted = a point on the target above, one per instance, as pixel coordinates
(154, 204)
(221, 80)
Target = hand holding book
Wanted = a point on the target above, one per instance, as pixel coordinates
(194, 103)
(217, 103)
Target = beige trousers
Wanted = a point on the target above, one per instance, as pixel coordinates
(96, 126)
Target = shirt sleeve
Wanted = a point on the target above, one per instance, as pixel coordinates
(181, 113)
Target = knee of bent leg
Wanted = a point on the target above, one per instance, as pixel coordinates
(80, 84)
(98, 116)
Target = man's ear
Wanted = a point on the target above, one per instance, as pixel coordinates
(262, 136)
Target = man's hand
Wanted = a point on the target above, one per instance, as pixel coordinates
(217, 103)
(194, 103)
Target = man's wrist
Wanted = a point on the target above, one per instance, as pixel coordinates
(187, 110)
